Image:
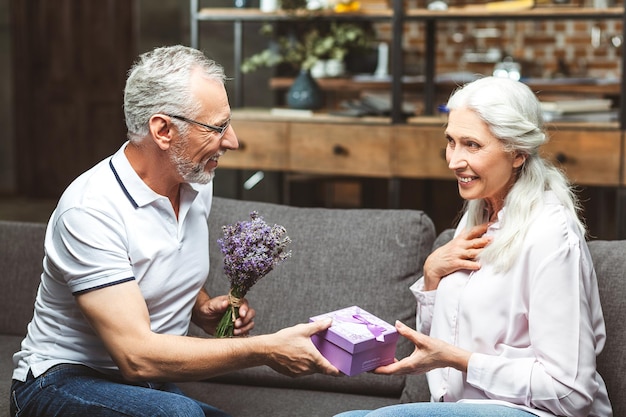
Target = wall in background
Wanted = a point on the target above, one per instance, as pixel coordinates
(545, 48)
(7, 146)
(158, 23)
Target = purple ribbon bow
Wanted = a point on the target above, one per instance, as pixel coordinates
(376, 330)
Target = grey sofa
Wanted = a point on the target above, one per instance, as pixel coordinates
(340, 258)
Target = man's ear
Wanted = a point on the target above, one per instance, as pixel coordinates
(161, 130)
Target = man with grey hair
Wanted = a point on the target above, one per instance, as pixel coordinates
(126, 257)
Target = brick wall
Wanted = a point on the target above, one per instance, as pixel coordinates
(546, 48)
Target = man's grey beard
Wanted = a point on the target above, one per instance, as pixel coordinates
(190, 171)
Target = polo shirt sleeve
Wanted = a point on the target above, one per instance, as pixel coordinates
(87, 249)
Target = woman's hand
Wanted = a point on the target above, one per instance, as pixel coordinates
(429, 353)
(459, 253)
(208, 312)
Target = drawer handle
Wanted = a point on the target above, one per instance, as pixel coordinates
(442, 153)
(340, 150)
(561, 158)
(242, 144)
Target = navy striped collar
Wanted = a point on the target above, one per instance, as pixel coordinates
(119, 181)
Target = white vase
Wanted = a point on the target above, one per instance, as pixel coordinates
(334, 68)
(318, 70)
(268, 6)
(316, 4)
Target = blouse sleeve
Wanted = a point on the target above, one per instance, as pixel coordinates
(425, 305)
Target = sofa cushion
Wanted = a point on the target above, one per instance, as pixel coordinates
(609, 260)
(340, 257)
(21, 256)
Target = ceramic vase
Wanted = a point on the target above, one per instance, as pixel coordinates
(304, 93)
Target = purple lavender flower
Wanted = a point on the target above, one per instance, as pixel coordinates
(251, 250)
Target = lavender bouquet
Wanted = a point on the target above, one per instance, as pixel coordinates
(251, 250)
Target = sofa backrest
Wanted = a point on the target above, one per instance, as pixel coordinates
(609, 260)
(21, 257)
(340, 258)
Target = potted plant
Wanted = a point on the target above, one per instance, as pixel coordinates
(302, 47)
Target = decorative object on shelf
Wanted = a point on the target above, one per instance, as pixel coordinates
(382, 65)
(508, 68)
(312, 43)
(240, 3)
(268, 6)
(328, 68)
(334, 67)
(317, 4)
(305, 93)
(339, 6)
(347, 6)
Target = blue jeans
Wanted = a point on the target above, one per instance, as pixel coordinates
(76, 390)
(440, 410)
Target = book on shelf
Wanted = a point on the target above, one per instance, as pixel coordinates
(286, 112)
(576, 106)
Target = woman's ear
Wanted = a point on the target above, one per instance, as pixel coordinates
(519, 159)
(161, 130)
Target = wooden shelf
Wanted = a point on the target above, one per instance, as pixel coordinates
(417, 83)
(473, 11)
(481, 12)
(234, 14)
(321, 118)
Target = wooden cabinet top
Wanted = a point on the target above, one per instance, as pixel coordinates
(323, 118)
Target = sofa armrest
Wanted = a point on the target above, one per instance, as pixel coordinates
(21, 256)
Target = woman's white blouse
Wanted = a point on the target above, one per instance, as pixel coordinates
(534, 331)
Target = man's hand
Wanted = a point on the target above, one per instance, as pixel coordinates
(291, 351)
(208, 311)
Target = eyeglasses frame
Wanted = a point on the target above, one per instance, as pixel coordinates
(221, 130)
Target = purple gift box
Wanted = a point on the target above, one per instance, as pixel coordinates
(357, 341)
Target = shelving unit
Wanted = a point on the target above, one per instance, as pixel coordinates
(591, 153)
(397, 17)
(432, 18)
(241, 16)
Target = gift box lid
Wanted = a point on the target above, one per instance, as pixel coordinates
(355, 330)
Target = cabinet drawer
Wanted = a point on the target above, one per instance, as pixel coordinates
(357, 150)
(419, 152)
(262, 145)
(588, 157)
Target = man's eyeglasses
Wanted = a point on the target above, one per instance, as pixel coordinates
(220, 130)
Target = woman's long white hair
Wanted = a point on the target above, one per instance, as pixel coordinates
(513, 114)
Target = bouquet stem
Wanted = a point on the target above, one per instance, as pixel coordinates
(226, 326)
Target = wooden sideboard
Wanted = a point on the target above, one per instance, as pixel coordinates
(590, 154)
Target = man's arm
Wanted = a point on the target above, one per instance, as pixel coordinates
(119, 315)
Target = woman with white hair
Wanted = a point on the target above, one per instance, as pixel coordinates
(509, 321)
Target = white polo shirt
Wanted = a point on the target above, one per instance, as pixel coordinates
(109, 227)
